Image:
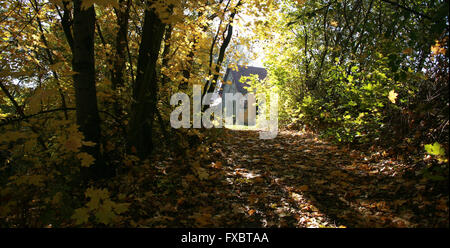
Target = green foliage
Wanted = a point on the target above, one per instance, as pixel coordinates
(353, 105)
(436, 171)
(353, 77)
(355, 71)
(435, 149)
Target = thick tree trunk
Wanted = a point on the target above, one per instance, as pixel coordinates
(146, 86)
(83, 64)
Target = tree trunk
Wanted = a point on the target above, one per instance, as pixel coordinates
(83, 64)
(121, 43)
(146, 86)
(167, 46)
(211, 85)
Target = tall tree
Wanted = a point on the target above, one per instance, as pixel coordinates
(146, 85)
(122, 14)
(83, 64)
(211, 85)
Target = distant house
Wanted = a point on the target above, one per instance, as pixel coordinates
(233, 85)
(233, 77)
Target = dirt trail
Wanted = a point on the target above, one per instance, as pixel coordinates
(297, 180)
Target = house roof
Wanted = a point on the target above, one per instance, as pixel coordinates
(245, 71)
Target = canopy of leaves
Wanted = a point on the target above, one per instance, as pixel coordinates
(368, 77)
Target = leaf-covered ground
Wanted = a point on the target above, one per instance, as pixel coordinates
(298, 180)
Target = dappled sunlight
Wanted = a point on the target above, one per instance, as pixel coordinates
(299, 180)
(244, 128)
(115, 113)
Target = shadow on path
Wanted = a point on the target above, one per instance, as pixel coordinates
(297, 180)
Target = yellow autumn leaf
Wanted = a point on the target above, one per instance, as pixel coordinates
(97, 193)
(392, 96)
(97, 197)
(105, 214)
(437, 49)
(86, 159)
(81, 216)
(89, 143)
(88, 3)
(73, 143)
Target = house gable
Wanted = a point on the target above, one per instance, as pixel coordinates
(234, 77)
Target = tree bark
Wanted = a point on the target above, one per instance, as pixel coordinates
(211, 85)
(121, 43)
(66, 23)
(83, 64)
(165, 55)
(146, 86)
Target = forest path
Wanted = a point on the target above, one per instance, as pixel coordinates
(298, 180)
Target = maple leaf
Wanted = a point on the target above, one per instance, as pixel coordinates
(392, 96)
(97, 194)
(435, 149)
(74, 143)
(437, 49)
(105, 214)
(86, 159)
(81, 216)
